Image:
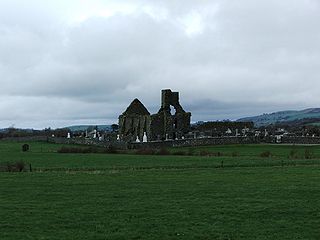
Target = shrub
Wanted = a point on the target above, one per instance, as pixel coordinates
(71, 150)
(179, 153)
(90, 149)
(308, 154)
(145, 151)
(18, 166)
(111, 149)
(218, 154)
(235, 154)
(150, 151)
(163, 151)
(190, 151)
(209, 154)
(266, 154)
(204, 153)
(25, 148)
(293, 153)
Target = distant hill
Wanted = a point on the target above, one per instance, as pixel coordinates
(310, 116)
(5, 130)
(72, 128)
(85, 127)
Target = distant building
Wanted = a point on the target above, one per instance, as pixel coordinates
(223, 128)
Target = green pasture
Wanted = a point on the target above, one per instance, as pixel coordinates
(44, 157)
(236, 194)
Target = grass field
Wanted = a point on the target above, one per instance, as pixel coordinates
(237, 195)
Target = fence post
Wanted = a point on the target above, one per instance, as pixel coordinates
(30, 168)
(222, 163)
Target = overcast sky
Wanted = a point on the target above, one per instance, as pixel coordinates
(83, 61)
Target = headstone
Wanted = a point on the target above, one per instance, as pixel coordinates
(69, 136)
(237, 132)
(145, 138)
(118, 137)
(137, 140)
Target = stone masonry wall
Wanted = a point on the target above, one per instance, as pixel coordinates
(300, 140)
(169, 143)
(194, 142)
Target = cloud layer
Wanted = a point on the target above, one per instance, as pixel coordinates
(84, 61)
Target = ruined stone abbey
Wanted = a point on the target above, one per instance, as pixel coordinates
(137, 122)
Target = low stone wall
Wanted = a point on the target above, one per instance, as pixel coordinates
(79, 141)
(194, 142)
(90, 142)
(300, 140)
(170, 143)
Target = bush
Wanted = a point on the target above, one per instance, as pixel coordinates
(266, 154)
(12, 167)
(151, 151)
(204, 153)
(308, 154)
(209, 154)
(235, 154)
(19, 166)
(217, 154)
(90, 149)
(163, 151)
(190, 151)
(293, 153)
(25, 148)
(179, 153)
(112, 149)
(145, 151)
(72, 150)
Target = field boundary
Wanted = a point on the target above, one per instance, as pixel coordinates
(185, 167)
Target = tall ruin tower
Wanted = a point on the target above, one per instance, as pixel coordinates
(166, 125)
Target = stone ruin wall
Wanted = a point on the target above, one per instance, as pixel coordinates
(134, 126)
(161, 126)
(134, 122)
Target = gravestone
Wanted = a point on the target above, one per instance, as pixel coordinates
(145, 138)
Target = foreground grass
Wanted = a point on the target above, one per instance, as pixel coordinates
(102, 196)
(266, 203)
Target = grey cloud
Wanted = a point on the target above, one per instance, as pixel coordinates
(250, 57)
